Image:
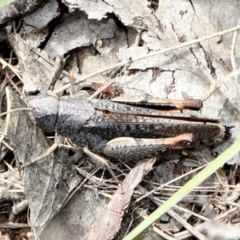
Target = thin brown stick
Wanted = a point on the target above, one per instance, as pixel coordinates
(233, 60)
(162, 186)
(5, 64)
(186, 225)
(14, 225)
(8, 114)
(15, 110)
(48, 152)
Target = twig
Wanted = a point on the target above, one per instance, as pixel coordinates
(5, 64)
(6, 145)
(186, 225)
(166, 184)
(101, 89)
(13, 84)
(12, 225)
(233, 61)
(15, 110)
(20, 207)
(227, 201)
(158, 230)
(215, 85)
(48, 152)
(100, 160)
(187, 211)
(8, 114)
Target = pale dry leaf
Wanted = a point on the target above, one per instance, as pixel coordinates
(47, 183)
(17, 8)
(127, 11)
(75, 219)
(33, 76)
(76, 31)
(94, 9)
(43, 15)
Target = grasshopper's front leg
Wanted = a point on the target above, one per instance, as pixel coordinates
(140, 148)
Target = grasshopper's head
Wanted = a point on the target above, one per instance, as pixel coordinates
(45, 110)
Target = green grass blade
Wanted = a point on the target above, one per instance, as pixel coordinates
(188, 187)
(5, 2)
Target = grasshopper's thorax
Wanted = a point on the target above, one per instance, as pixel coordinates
(73, 115)
(45, 110)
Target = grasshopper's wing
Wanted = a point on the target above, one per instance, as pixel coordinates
(110, 126)
(193, 104)
(126, 109)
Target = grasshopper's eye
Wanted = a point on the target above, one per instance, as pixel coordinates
(45, 110)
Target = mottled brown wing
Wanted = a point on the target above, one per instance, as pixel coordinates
(146, 100)
(118, 108)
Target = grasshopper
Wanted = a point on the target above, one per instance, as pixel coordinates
(126, 130)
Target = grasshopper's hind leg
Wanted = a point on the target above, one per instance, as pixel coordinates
(128, 148)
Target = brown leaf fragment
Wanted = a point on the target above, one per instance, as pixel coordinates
(109, 220)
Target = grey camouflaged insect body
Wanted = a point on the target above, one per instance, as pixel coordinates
(45, 109)
(94, 123)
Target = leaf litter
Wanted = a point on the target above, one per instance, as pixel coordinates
(100, 35)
